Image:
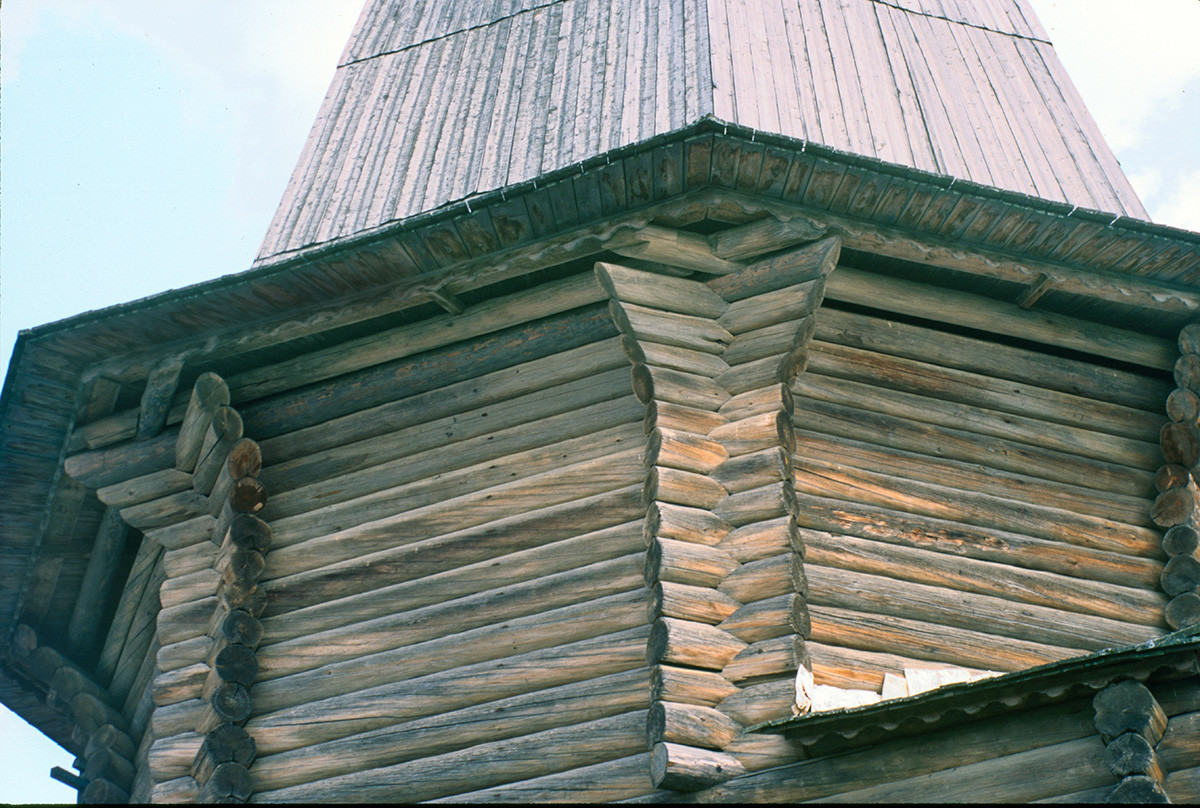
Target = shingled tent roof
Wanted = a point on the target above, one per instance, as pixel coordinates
(436, 101)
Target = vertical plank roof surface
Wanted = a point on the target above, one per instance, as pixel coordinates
(436, 101)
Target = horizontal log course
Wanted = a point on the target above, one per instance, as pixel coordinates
(174, 686)
(977, 390)
(766, 578)
(1139, 789)
(788, 304)
(482, 765)
(699, 604)
(659, 291)
(696, 525)
(1183, 611)
(677, 387)
(175, 719)
(440, 554)
(765, 235)
(1181, 540)
(772, 398)
(773, 617)
(168, 510)
(773, 657)
(1181, 574)
(172, 757)
(754, 470)
(687, 563)
(183, 541)
(360, 638)
(690, 724)
(562, 625)
(676, 248)
(759, 540)
(189, 587)
(762, 701)
(185, 621)
(785, 269)
(181, 790)
(990, 358)
(755, 433)
(683, 768)
(523, 446)
(1073, 439)
(111, 465)
(455, 379)
(969, 507)
(758, 504)
(962, 308)
(1183, 785)
(669, 328)
(696, 645)
(147, 487)
(440, 733)
(973, 476)
(330, 543)
(688, 686)
(611, 781)
(316, 721)
(208, 393)
(674, 357)
(957, 539)
(683, 450)
(830, 586)
(1136, 606)
(469, 579)
(677, 416)
(678, 487)
(761, 373)
(980, 741)
(771, 340)
(930, 641)
(758, 751)
(1180, 744)
(183, 653)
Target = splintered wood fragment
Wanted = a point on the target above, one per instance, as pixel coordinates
(1130, 754)
(686, 563)
(208, 393)
(1180, 443)
(677, 249)
(1183, 611)
(659, 291)
(696, 645)
(684, 450)
(766, 235)
(1180, 575)
(1128, 706)
(689, 686)
(700, 604)
(156, 398)
(690, 724)
(1183, 407)
(665, 484)
(765, 619)
(697, 525)
(682, 768)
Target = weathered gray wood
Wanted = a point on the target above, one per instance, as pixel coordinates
(699, 604)
(180, 684)
(181, 790)
(676, 387)
(755, 469)
(186, 652)
(483, 765)
(773, 617)
(1181, 540)
(772, 398)
(806, 263)
(759, 540)
(669, 415)
(774, 656)
(183, 716)
(767, 577)
(98, 580)
(683, 450)
(689, 724)
(169, 510)
(1183, 785)
(320, 720)
(682, 768)
(697, 525)
(757, 751)
(172, 757)
(675, 357)
(186, 588)
(1181, 574)
(229, 782)
(686, 563)
(688, 686)
(765, 235)
(1139, 789)
(681, 642)
(558, 626)
(1131, 754)
(145, 488)
(763, 701)
(758, 504)
(756, 432)
(208, 393)
(677, 249)
(659, 291)
(157, 396)
(440, 733)
(1183, 611)
(646, 324)
(789, 303)
(678, 487)
(612, 781)
(1128, 706)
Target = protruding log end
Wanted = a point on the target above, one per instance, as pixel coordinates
(689, 724)
(230, 782)
(103, 792)
(248, 532)
(1180, 443)
(1138, 789)
(682, 768)
(1128, 706)
(1183, 407)
(1183, 611)
(1181, 540)
(1181, 575)
(695, 645)
(1131, 754)
(643, 383)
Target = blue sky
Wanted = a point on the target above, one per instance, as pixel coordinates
(145, 144)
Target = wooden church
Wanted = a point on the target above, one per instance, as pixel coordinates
(638, 400)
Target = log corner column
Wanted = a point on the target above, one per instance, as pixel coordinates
(1131, 723)
(1177, 508)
